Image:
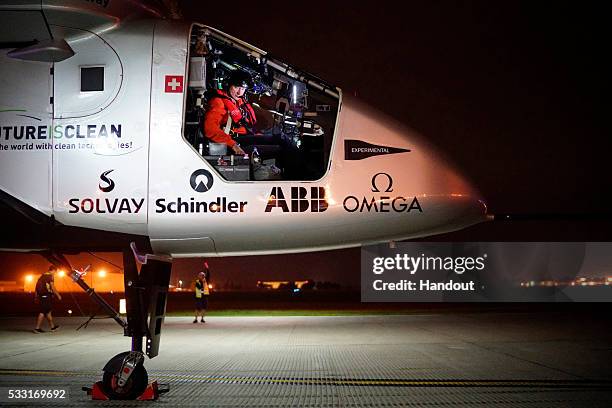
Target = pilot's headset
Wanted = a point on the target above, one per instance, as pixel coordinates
(239, 78)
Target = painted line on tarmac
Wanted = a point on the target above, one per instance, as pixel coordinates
(410, 383)
(591, 384)
(50, 373)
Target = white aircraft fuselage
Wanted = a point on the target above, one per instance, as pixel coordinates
(108, 113)
(119, 160)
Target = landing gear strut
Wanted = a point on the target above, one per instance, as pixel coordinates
(146, 279)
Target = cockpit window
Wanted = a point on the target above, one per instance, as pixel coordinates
(253, 117)
(92, 79)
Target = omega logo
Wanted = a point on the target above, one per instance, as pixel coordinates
(375, 177)
(381, 183)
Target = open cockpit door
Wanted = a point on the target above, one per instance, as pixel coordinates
(26, 112)
(295, 113)
(101, 129)
(205, 197)
(74, 110)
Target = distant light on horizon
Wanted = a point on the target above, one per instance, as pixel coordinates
(102, 273)
(594, 281)
(29, 278)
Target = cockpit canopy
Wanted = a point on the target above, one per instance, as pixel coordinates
(295, 112)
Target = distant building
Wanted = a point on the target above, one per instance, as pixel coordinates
(10, 286)
(286, 285)
(101, 281)
(595, 281)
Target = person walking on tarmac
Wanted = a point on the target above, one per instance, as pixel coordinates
(45, 291)
(201, 294)
(229, 114)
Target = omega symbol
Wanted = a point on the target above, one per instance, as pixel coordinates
(375, 188)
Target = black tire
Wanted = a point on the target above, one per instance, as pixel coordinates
(135, 386)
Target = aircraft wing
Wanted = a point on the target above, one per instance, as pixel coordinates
(28, 22)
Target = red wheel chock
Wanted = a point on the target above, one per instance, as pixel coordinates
(152, 392)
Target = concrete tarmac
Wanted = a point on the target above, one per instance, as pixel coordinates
(479, 359)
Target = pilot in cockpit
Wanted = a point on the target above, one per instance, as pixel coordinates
(228, 114)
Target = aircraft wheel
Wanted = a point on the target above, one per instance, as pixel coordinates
(134, 387)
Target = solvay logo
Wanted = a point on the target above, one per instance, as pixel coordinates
(196, 180)
(110, 184)
(382, 179)
(106, 205)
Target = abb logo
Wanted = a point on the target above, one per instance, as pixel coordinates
(300, 202)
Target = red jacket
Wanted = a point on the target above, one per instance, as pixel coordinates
(215, 120)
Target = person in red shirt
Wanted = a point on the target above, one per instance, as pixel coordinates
(229, 114)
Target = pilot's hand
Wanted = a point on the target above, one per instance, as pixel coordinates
(238, 150)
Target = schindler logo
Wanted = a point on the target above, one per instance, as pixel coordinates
(300, 202)
(357, 150)
(196, 180)
(201, 181)
(381, 183)
(109, 184)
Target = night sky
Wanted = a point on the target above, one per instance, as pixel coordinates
(515, 93)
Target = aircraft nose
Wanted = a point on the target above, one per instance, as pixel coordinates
(391, 160)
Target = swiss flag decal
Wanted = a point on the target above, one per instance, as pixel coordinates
(174, 83)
